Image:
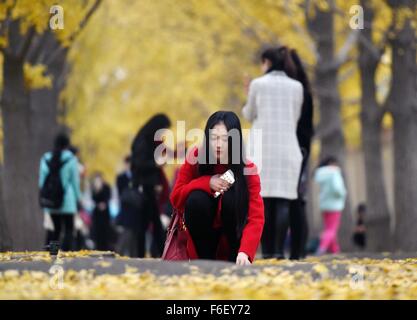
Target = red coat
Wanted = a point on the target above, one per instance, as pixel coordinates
(188, 180)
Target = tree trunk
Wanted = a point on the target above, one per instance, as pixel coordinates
(45, 102)
(5, 239)
(404, 111)
(379, 236)
(19, 181)
(28, 127)
(330, 130)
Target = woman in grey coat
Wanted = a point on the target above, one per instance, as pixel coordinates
(274, 107)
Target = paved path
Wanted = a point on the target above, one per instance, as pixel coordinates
(108, 263)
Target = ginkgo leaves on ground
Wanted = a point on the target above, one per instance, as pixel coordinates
(313, 278)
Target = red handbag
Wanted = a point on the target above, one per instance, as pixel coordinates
(177, 236)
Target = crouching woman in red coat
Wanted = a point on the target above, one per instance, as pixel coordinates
(227, 227)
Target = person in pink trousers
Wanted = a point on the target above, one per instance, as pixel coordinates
(332, 198)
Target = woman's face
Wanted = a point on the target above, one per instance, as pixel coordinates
(97, 182)
(219, 142)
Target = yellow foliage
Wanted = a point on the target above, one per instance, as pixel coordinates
(187, 59)
(37, 14)
(312, 278)
(35, 77)
(184, 58)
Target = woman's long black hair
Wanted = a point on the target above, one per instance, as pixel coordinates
(147, 132)
(280, 59)
(144, 140)
(240, 187)
(61, 143)
(305, 129)
(143, 165)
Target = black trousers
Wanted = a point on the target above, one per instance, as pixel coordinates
(277, 212)
(101, 229)
(359, 240)
(299, 229)
(298, 217)
(62, 222)
(200, 211)
(150, 213)
(281, 214)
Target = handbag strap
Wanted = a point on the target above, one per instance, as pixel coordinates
(177, 220)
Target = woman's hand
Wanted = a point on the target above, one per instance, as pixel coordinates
(218, 184)
(242, 259)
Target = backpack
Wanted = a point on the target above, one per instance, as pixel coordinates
(51, 195)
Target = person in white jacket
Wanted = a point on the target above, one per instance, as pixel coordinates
(273, 106)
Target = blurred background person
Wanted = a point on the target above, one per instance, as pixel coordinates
(359, 234)
(147, 179)
(126, 220)
(274, 106)
(101, 227)
(125, 177)
(162, 192)
(59, 183)
(332, 198)
(82, 220)
(81, 167)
